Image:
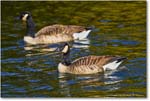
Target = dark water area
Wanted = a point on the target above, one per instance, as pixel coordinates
(120, 29)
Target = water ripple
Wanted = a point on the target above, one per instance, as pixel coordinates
(43, 87)
(9, 74)
(124, 42)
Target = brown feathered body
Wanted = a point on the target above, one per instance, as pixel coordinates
(54, 34)
(45, 39)
(59, 29)
(87, 65)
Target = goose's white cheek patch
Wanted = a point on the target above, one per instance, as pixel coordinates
(24, 18)
(65, 49)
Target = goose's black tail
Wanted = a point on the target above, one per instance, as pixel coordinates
(90, 28)
(121, 59)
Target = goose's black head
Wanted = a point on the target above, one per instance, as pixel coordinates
(24, 16)
(66, 53)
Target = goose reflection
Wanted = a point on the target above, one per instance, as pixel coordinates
(42, 50)
(54, 48)
(64, 85)
(68, 81)
(113, 79)
(48, 47)
(101, 82)
(81, 43)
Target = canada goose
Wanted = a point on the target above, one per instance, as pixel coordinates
(53, 33)
(88, 64)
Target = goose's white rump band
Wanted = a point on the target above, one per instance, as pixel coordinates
(81, 35)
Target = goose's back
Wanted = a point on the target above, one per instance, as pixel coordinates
(59, 29)
(89, 64)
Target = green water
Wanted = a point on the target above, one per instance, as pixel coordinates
(120, 29)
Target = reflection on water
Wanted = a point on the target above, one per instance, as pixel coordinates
(51, 49)
(99, 82)
(57, 47)
(81, 43)
(31, 70)
(46, 47)
(68, 80)
(63, 85)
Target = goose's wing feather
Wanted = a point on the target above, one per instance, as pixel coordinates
(90, 64)
(50, 30)
(59, 29)
(94, 60)
(71, 29)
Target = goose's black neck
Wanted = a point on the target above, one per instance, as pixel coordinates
(66, 58)
(30, 27)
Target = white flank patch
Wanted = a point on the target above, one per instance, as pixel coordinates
(112, 66)
(81, 35)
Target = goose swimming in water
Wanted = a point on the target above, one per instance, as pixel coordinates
(88, 64)
(53, 33)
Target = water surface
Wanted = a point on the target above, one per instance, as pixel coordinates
(120, 29)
